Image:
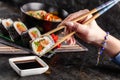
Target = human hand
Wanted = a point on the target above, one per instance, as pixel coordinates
(90, 33)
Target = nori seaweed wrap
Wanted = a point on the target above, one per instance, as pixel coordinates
(16, 30)
(29, 35)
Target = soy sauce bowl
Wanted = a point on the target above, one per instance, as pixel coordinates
(43, 25)
(28, 65)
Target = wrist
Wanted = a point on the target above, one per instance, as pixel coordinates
(112, 46)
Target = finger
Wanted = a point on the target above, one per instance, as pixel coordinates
(73, 16)
(71, 41)
(68, 41)
(77, 27)
(69, 25)
(67, 31)
(74, 41)
(86, 19)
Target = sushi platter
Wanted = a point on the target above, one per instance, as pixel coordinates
(16, 34)
(26, 33)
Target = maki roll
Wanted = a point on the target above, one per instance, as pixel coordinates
(20, 27)
(34, 33)
(16, 30)
(4, 25)
(41, 45)
(29, 35)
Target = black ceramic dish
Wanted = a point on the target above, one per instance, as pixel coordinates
(43, 26)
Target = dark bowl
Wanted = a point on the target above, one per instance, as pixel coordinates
(43, 25)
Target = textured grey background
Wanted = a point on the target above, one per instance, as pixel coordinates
(69, 66)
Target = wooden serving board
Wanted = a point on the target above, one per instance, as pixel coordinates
(8, 47)
(4, 49)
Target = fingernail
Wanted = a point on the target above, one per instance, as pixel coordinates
(69, 23)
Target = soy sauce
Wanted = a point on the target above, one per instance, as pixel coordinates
(28, 64)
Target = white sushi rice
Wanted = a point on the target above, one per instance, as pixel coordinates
(7, 20)
(15, 23)
(34, 29)
(51, 43)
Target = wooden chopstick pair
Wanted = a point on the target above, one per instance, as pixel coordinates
(102, 9)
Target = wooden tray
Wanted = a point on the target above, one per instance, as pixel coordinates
(4, 49)
(11, 47)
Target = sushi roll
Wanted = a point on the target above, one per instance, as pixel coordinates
(7, 23)
(34, 33)
(29, 35)
(41, 45)
(4, 25)
(20, 27)
(16, 30)
(25, 39)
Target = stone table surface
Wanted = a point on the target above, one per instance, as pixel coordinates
(68, 66)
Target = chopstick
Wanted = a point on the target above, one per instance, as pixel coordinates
(106, 7)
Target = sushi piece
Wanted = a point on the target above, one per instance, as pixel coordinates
(20, 27)
(25, 39)
(7, 23)
(4, 25)
(41, 45)
(16, 30)
(34, 33)
(29, 35)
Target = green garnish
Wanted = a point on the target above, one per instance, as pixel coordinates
(38, 14)
(30, 14)
(22, 25)
(35, 31)
(36, 43)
